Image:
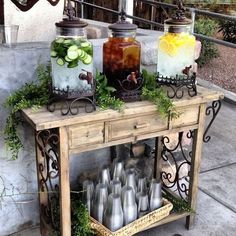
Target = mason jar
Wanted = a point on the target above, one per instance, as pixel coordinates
(176, 49)
(121, 57)
(71, 58)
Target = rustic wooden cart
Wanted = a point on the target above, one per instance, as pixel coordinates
(59, 136)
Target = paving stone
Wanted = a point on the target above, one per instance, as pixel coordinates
(220, 184)
(212, 219)
(221, 149)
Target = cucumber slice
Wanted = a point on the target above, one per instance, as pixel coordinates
(80, 52)
(85, 44)
(84, 57)
(59, 40)
(72, 48)
(72, 55)
(53, 53)
(60, 61)
(67, 59)
(87, 60)
(67, 41)
(72, 64)
(83, 53)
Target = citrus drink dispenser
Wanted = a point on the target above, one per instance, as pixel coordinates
(72, 58)
(176, 49)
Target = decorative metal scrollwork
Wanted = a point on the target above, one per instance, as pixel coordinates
(211, 110)
(179, 160)
(25, 5)
(47, 142)
(130, 88)
(72, 107)
(178, 85)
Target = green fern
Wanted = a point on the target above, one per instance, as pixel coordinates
(157, 95)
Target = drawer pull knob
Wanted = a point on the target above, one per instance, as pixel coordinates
(141, 126)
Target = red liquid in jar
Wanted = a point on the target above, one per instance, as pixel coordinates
(121, 62)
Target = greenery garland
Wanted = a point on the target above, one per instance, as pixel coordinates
(35, 94)
(30, 95)
(157, 95)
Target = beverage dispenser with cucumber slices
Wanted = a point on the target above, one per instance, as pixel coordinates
(72, 58)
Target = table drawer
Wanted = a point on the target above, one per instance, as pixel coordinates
(135, 126)
(188, 116)
(86, 134)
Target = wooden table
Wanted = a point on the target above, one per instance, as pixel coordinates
(59, 136)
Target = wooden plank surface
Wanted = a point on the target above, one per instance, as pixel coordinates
(43, 119)
(90, 147)
(170, 218)
(64, 180)
(195, 164)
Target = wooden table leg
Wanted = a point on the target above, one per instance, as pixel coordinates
(157, 163)
(195, 164)
(64, 183)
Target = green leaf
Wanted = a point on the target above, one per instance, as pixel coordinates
(157, 95)
(110, 89)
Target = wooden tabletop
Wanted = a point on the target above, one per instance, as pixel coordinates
(43, 119)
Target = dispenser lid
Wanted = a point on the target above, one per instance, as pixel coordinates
(122, 24)
(179, 17)
(71, 21)
(178, 21)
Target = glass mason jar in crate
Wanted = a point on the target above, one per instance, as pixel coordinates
(176, 49)
(121, 60)
(72, 59)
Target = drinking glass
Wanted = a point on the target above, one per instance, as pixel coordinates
(8, 35)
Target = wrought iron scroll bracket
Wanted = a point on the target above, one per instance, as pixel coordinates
(48, 171)
(213, 109)
(173, 178)
(178, 85)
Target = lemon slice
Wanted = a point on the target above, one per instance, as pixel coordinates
(172, 50)
(164, 45)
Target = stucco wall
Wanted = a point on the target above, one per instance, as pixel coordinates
(37, 24)
(19, 210)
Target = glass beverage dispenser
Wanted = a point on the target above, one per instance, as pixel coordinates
(121, 60)
(71, 58)
(176, 47)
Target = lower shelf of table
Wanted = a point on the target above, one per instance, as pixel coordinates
(169, 218)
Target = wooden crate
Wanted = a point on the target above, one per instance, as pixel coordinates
(137, 225)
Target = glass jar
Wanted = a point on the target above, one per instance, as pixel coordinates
(176, 49)
(121, 57)
(71, 58)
